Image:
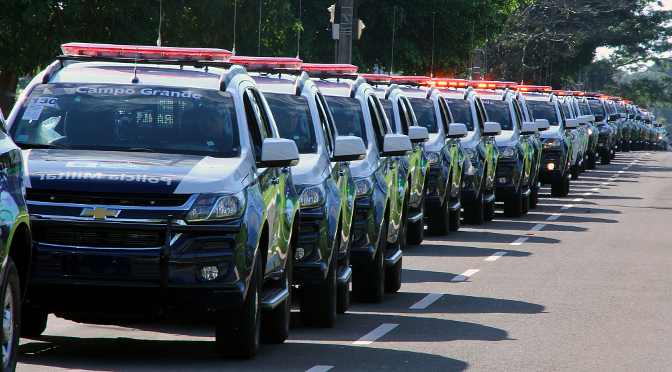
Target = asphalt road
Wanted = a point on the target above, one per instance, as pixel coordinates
(581, 283)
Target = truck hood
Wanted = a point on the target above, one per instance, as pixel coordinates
(133, 172)
(312, 169)
(553, 132)
(507, 138)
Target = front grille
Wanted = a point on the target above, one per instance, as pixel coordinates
(84, 197)
(100, 238)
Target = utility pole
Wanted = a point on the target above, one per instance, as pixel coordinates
(345, 32)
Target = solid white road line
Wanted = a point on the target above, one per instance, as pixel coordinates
(519, 241)
(465, 275)
(553, 217)
(538, 227)
(428, 300)
(320, 369)
(566, 207)
(377, 333)
(495, 256)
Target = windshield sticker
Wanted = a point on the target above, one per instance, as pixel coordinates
(36, 106)
(144, 92)
(130, 166)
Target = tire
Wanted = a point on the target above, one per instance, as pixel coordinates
(605, 158)
(526, 203)
(575, 171)
(591, 161)
(534, 196)
(238, 332)
(319, 302)
(34, 322)
(513, 205)
(473, 211)
(612, 153)
(416, 230)
(438, 223)
(455, 218)
(343, 289)
(11, 316)
(275, 323)
(393, 273)
(368, 282)
(559, 187)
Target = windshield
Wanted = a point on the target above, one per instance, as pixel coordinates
(461, 111)
(293, 119)
(387, 106)
(424, 112)
(348, 116)
(499, 111)
(544, 110)
(128, 118)
(585, 110)
(597, 108)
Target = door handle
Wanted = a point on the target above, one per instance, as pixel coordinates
(392, 166)
(285, 170)
(341, 173)
(275, 181)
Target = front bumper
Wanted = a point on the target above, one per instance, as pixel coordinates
(508, 177)
(552, 166)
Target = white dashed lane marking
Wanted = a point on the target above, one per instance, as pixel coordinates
(320, 369)
(553, 217)
(465, 275)
(566, 207)
(495, 256)
(519, 241)
(538, 227)
(588, 194)
(428, 300)
(377, 333)
(577, 199)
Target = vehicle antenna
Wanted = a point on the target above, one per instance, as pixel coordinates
(235, 15)
(394, 22)
(298, 38)
(431, 72)
(158, 41)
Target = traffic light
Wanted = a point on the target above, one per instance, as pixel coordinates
(357, 30)
(335, 11)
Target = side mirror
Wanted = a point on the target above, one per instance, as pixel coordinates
(591, 118)
(582, 120)
(638, 117)
(631, 116)
(599, 118)
(571, 123)
(623, 115)
(457, 130)
(278, 152)
(491, 128)
(658, 125)
(542, 125)
(614, 117)
(528, 127)
(418, 134)
(396, 145)
(348, 148)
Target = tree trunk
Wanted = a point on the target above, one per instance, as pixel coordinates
(8, 82)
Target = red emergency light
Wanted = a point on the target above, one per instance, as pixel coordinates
(448, 83)
(534, 88)
(411, 80)
(377, 78)
(329, 69)
(145, 52)
(267, 63)
(480, 84)
(593, 94)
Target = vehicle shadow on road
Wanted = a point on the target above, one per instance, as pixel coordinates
(128, 354)
(426, 250)
(465, 236)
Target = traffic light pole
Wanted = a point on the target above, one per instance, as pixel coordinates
(345, 32)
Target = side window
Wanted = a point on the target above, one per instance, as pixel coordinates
(445, 115)
(518, 116)
(324, 123)
(480, 113)
(257, 126)
(404, 116)
(409, 110)
(377, 121)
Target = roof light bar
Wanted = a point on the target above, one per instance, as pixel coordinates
(377, 78)
(480, 84)
(329, 69)
(534, 88)
(267, 63)
(448, 83)
(592, 94)
(145, 52)
(411, 80)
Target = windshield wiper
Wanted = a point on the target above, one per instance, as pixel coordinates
(140, 149)
(39, 146)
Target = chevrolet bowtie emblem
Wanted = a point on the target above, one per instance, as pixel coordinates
(100, 213)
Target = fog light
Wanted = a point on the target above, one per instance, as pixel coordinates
(464, 184)
(501, 179)
(209, 272)
(300, 253)
(550, 166)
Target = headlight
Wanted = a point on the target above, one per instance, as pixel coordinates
(471, 153)
(434, 157)
(312, 196)
(507, 152)
(590, 132)
(603, 129)
(364, 187)
(552, 143)
(217, 207)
